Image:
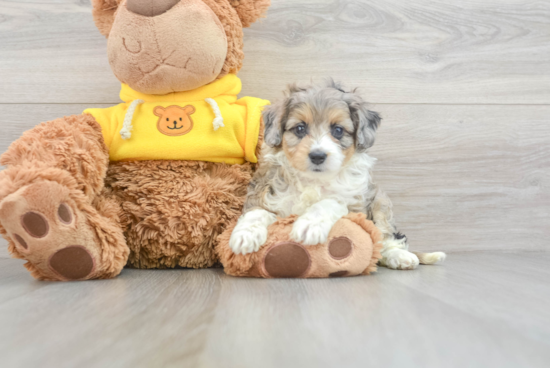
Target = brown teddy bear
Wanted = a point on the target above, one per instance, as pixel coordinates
(152, 182)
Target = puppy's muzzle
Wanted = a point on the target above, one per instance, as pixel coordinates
(317, 157)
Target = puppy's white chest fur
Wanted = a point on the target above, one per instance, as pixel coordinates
(295, 191)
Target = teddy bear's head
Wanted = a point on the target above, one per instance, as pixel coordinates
(162, 46)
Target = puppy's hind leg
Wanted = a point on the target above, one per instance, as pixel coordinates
(430, 258)
(395, 252)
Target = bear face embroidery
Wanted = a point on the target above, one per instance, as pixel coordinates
(174, 120)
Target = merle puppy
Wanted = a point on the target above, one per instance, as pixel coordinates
(315, 164)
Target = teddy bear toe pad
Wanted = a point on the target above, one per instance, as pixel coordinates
(72, 263)
(340, 248)
(35, 224)
(49, 233)
(287, 259)
(338, 274)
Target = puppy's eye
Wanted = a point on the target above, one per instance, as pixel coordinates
(300, 130)
(337, 131)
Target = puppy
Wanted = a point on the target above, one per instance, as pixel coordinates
(314, 164)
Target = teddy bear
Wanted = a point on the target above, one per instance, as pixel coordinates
(151, 182)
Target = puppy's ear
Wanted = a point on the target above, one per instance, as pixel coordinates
(273, 120)
(103, 12)
(250, 11)
(366, 122)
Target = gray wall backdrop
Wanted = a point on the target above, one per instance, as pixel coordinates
(463, 87)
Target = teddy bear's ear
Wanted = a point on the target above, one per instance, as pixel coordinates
(103, 12)
(250, 11)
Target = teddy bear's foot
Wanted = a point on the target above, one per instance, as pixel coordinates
(51, 233)
(352, 248)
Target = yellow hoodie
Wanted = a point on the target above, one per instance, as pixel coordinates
(206, 124)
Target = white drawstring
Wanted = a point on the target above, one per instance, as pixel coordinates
(218, 120)
(126, 131)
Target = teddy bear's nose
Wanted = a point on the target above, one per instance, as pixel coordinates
(150, 8)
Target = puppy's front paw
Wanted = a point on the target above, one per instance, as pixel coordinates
(310, 232)
(400, 259)
(249, 239)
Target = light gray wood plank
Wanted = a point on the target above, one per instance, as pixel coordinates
(147, 319)
(471, 311)
(467, 177)
(508, 276)
(378, 322)
(19, 118)
(460, 177)
(484, 51)
(52, 52)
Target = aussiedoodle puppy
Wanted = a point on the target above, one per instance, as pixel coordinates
(314, 164)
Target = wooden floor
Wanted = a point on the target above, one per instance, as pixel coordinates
(479, 309)
(463, 151)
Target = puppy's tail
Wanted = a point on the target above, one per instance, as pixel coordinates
(431, 258)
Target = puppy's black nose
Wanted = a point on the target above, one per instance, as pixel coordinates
(317, 157)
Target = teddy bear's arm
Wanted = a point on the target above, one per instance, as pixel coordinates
(255, 127)
(66, 150)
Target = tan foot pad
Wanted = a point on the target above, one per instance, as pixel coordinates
(72, 263)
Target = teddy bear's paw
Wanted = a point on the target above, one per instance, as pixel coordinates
(399, 259)
(49, 232)
(248, 239)
(309, 231)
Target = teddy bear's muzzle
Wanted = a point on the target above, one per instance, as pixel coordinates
(178, 49)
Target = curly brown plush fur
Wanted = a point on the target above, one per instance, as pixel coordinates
(72, 144)
(174, 210)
